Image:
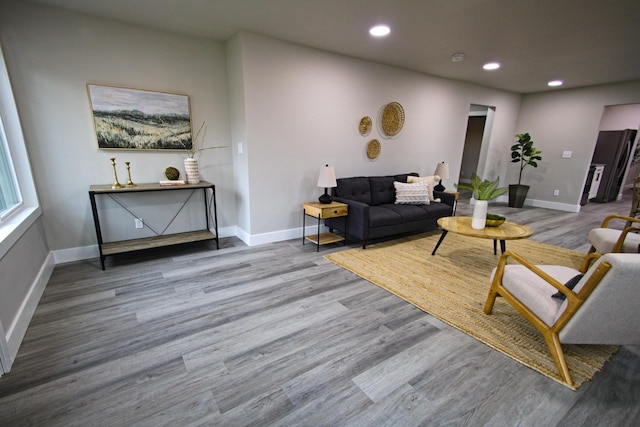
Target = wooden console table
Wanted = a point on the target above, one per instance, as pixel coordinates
(112, 248)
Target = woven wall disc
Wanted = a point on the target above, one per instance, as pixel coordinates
(373, 149)
(392, 119)
(365, 126)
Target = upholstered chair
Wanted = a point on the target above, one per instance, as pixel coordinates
(606, 239)
(635, 202)
(602, 307)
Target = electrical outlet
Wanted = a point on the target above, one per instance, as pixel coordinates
(139, 223)
(556, 193)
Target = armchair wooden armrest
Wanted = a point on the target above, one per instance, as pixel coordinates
(628, 219)
(620, 242)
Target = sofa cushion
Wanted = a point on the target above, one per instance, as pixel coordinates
(404, 177)
(380, 216)
(356, 188)
(412, 194)
(382, 190)
(408, 213)
(436, 210)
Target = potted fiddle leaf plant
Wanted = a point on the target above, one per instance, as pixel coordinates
(483, 191)
(524, 153)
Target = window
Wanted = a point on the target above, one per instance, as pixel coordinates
(9, 193)
(19, 208)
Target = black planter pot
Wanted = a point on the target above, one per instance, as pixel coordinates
(517, 195)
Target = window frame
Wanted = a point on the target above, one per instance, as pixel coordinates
(10, 173)
(25, 214)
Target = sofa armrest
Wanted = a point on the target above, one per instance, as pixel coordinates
(358, 217)
(448, 198)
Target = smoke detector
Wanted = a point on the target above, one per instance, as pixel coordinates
(457, 57)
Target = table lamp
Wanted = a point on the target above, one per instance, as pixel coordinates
(442, 170)
(326, 179)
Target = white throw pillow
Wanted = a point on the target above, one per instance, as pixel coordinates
(431, 182)
(412, 194)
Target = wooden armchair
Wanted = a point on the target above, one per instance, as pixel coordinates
(606, 239)
(601, 308)
(635, 202)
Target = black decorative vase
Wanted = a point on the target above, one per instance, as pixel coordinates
(517, 195)
(325, 198)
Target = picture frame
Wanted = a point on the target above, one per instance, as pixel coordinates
(139, 119)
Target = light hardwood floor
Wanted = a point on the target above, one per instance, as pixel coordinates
(277, 335)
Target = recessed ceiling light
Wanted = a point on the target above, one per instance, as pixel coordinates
(379, 30)
(491, 66)
(457, 57)
(555, 83)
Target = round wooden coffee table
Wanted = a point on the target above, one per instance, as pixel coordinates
(462, 225)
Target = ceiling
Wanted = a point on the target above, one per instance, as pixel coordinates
(582, 42)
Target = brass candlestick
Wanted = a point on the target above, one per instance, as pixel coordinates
(129, 183)
(116, 184)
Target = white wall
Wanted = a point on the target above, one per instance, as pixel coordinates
(566, 120)
(52, 54)
(302, 110)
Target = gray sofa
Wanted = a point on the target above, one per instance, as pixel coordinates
(373, 213)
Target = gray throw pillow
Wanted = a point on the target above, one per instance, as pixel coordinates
(571, 283)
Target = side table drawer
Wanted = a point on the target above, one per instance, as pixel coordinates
(335, 212)
(325, 211)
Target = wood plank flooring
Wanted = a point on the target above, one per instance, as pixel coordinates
(277, 335)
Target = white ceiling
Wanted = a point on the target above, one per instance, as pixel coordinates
(583, 42)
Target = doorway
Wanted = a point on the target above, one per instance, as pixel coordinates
(476, 141)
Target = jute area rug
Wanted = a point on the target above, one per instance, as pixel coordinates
(453, 286)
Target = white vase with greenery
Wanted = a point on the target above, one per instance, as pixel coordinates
(479, 219)
(483, 191)
(191, 170)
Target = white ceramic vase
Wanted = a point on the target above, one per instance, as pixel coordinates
(479, 214)
(191, 170)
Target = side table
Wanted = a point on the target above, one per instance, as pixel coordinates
(456, 196)
(323, 211)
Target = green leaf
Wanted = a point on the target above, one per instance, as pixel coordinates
(483, 189)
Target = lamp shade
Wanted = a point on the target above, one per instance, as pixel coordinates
(327, 177)
(442, 170)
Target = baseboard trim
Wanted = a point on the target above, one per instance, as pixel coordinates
(278, 236)
(565, 207)
(17, 330)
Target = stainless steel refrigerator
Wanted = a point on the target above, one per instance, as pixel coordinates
(613, 149)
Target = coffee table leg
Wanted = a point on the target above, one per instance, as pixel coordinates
(444, 233)
(503, 246)
(495, 246)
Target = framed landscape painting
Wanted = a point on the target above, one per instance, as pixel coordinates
(134, 119)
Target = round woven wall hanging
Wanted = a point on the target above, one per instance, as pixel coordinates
(392, 119)
(373, 149)
(365, 126)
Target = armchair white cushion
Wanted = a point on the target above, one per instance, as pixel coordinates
(605, 239)
(533, 291)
